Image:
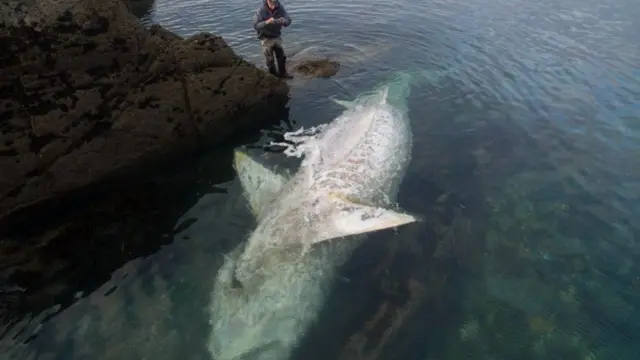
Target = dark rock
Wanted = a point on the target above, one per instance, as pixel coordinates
(60, 252)
(140, 8)
(323, 68)
(87, 93)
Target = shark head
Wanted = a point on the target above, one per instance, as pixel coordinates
(244, 323)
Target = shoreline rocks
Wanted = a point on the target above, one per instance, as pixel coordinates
(88, 95)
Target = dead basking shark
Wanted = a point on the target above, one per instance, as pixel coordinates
(271, 287)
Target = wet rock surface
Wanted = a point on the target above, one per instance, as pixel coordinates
(87, 95)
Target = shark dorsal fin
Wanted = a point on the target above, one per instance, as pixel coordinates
(354, 217)
(260, 184)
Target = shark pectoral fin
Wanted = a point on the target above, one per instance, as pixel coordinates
(260, 184)
(365, 219)
(358, 218)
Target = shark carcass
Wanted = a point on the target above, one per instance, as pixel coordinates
(272, 286)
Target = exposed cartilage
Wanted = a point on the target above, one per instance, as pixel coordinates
(299, 142)
(302, 134)
(290, 149)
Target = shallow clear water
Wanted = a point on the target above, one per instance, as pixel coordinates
(526, 166)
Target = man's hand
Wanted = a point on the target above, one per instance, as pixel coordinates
(270, 20)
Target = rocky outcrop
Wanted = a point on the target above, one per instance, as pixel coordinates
(140, 8)
(88, 94)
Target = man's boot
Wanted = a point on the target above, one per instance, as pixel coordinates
(282, 63)
(271, 66)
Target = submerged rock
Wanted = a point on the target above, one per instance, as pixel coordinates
(323, 68)
(88, 94)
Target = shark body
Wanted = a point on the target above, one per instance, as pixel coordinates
(271, 287)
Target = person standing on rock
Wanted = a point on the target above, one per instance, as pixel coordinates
(268, 22)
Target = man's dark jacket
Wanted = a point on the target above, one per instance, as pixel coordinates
(272, 30)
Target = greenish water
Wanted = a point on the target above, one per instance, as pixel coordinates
(526, 166)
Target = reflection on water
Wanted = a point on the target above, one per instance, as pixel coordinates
(526, 167)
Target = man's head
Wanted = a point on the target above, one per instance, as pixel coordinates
(272, 4)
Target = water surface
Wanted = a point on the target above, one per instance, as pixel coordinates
(526, 166)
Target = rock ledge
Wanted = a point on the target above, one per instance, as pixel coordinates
(87, 93)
